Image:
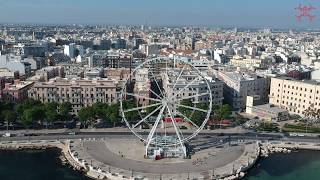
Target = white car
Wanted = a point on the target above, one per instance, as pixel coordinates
(7, 135)
(293, 134)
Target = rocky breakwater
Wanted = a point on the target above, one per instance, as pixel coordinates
(238, 168)
(268, 149)
(286, 147)
(34, 145)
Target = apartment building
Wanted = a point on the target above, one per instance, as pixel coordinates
(198, 87)
(239, 85)
(142, 86)
(293, 95)
(79, 92)
(16, 92)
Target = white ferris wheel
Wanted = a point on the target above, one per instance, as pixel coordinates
(170, 102)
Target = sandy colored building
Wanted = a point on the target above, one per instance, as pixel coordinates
(294, 96)
(142, 86)
(259, 63)
(79, 92)
(117, 73)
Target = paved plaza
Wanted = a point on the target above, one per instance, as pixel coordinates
(125, 156)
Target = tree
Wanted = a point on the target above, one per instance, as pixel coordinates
(33, 115)
(86, 115)
(25, 105)
(100, 110)
(27, 117)
(186, 111)
(28, 103)
(112, 113)
(51, 113)
(312, 116)
(9, 117)
(64, 110)
(198, 116)
(221, 112)
(3, 107)
(131, 115)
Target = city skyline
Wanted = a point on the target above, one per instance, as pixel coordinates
(217, 13)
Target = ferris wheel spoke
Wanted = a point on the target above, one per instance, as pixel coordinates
(145, 97)
(193, 108)
(153, 76)
(179, 76)
(145, 118)
(188, 119)
(142, 107)
(177, 129)
(193, 96)
(154, 93)
(149, 139)
(166, 88)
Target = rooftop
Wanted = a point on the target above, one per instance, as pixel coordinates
(270, 107)
(19, 85)
(312, 82)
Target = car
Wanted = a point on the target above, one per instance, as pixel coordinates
(6, 135)
(293, 134)
(72, 133)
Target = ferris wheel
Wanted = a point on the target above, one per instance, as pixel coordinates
(165, 102)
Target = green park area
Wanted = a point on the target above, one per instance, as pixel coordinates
(35, 114)
(301, 127)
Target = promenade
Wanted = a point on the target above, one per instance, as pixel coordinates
(214, 163)
(121, 158)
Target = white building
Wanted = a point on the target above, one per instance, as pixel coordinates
(237, 86)
(197, 88)
(69, 50)
(13, 64)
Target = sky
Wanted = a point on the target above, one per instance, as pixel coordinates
(212, 13)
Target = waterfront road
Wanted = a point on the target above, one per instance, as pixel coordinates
(129, 135)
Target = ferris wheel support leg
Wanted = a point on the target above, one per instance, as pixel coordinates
(149, 139)
(177, 132)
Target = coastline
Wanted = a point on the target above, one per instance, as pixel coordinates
(64, 155)
(67, 156)
(70, 156)
(239, 167)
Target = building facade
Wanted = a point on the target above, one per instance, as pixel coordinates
(294, 95)
(16, 92)
(117, 60)
(237, 86)
(197, 88)
(79, 92)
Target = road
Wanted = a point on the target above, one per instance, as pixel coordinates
(126, 135)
